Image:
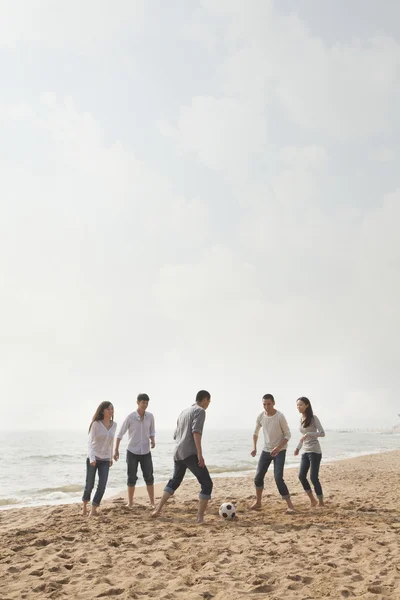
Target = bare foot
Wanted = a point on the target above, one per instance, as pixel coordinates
(85, 511)
(152, 506)
(200, 520)
(313, 502)
(93, 512)
(290, 511)
(129, 505)
(255, 506)
(321, 504)
(155, 513)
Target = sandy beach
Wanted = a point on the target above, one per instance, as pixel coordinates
(349, 549)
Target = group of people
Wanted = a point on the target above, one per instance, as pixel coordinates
(188, 452)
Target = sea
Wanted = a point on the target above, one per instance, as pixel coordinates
(48, 467)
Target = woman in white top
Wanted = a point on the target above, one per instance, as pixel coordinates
(311, 429)
(100, 450)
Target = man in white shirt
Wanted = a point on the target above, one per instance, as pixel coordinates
(141, 430)
(276, 436)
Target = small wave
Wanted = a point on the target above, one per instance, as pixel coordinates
(42, 457)
(8, 501)
(66, 489)
(237, 469)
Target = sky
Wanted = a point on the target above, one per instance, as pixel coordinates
(199, 194)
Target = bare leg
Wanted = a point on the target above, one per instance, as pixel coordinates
(93, 511)
(312, 499)
(257, 503)
(289, 504)
(202, 508)
(164, 498)
(150, 491)
(131, 493)
(85, 511)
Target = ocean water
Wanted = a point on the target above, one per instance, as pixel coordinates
(47, 467)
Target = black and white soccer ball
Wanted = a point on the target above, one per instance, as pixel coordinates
(227, 510)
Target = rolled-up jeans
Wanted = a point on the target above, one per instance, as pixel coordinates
(201, 473)
(311, 461)
(263, 465)
(146, 464)
(102, 467)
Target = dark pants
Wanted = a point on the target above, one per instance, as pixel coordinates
(146, 464)
(310, 461)
(263, 466)
(102, 467)
(201, 473)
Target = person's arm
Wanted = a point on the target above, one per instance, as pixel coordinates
(112, 444)
(315, 434)
(152, 432)
(286, 436)
(197, 431)
(197, 441)
(91, 449)
(121, 433)
(255, 437)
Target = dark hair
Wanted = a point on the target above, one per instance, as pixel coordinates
(201, 395)
(269, 397)
(307, 417)
(143, 397)
(99, 414)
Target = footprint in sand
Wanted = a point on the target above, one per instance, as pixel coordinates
(111, 592)
(263, 589)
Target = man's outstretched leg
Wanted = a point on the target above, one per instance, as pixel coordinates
(164, 499)
(172, 486)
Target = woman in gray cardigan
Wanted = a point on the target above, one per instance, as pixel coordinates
(311, 429)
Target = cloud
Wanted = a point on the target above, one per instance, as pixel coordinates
(56, 24)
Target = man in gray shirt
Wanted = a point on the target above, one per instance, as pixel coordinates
(189, 455)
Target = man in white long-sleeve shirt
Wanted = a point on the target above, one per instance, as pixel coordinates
(141, 430)
(276, 436)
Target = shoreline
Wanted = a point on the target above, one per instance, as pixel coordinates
(348, 549)
(159, 485)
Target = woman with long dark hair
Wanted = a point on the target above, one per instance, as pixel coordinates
(100, 451)
(311, 428)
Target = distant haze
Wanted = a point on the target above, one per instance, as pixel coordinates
(199, 194)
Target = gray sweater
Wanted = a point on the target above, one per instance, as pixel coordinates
(313, 431)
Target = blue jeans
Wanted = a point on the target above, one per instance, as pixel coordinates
(312, 461)
(103, 467)
(146, 464)
(263, 466)
(201, 473)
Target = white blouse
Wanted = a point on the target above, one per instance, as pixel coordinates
(101, 441)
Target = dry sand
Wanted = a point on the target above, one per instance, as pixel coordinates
(350, 549)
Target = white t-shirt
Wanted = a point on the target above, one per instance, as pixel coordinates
(274, 429)
(101, 441)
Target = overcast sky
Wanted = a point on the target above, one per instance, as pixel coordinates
(199, 194)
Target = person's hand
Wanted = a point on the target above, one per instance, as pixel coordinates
(253, 452)
(296, 452)
(111, 463)
(153, 444)
(274, 451)
(116, 455)
(202, 463)
(93, 463)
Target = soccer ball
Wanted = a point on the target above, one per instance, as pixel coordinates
(227, 510)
